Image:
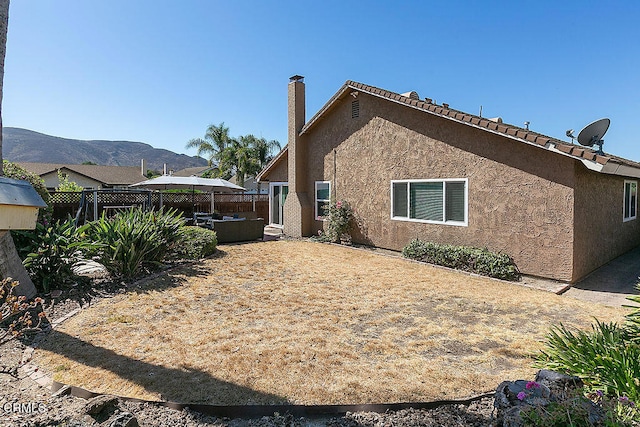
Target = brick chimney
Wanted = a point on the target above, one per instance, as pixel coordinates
(298, 211)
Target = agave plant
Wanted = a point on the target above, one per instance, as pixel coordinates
(134, 240)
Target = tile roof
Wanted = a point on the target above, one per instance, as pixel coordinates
(606, 163)
(107, 175)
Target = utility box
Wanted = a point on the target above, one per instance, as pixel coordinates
(19, 204)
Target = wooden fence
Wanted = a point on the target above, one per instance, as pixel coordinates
(68, 203)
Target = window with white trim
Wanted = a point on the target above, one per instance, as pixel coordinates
(323, 198)
(630, 200)
(442, 201)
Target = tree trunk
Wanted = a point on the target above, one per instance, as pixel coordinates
(10, 263)
(11, 266)
(4, 25)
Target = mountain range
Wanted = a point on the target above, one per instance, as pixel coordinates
(23, 145)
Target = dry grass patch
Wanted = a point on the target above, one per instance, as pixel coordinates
(309, 323)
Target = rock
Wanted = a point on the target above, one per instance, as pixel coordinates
(100, 404)
(512, 398)
(123, 419)
(558, 383)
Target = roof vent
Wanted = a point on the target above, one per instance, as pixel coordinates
(445, 105)
(355, 109)
(428, 100)
(413, 95)
(496, 119)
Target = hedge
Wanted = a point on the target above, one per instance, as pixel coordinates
(474, 260)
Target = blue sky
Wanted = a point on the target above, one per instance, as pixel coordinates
(160, 72)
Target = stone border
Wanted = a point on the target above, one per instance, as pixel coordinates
(257, 411)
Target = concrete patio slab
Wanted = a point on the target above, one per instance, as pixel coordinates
(612, 283)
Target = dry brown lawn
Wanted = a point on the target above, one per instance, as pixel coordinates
(309, 323)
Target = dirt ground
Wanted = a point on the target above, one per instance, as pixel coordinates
(309, 323)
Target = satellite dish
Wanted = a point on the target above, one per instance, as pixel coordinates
(593, 133)
(569, 133)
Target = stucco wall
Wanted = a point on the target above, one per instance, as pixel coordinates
(520, 197)
(51, 180)
(279, 172)
(601, 233)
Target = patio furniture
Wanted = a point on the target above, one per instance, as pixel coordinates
(237, 229)
(201, 218)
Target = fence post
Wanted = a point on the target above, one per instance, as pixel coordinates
(95, 205)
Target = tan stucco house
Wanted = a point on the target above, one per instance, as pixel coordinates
(411, 168)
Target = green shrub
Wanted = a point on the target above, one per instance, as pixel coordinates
(49, 252)
(195, 243)
(65, 185)
(574, 408)
(606, 358)
(13, 171)
(633, 317)
(339, 216)
(475, 260)
(134, 240)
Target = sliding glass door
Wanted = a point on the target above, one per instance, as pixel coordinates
(277, 195)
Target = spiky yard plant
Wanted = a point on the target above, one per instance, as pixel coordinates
(51, 250)
(134, 240)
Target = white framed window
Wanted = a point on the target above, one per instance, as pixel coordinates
(436, 201)
(323, 198)
(630, 200)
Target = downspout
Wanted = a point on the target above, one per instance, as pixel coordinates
(335, 167)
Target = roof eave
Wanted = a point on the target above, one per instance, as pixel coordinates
(271, 164)
(613, 168)
(609, 168)
(326, 107)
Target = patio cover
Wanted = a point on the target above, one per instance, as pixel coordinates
(210, 185)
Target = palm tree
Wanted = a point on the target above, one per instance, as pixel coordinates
(10, 263)
(245, 156)
(265, 149)
(215, 140)
(239, 158)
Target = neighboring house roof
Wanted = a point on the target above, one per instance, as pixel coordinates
(107, 175)
(195, 171)
(250, 183)
(605, 163)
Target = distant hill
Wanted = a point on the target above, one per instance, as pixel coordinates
(23, 145)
